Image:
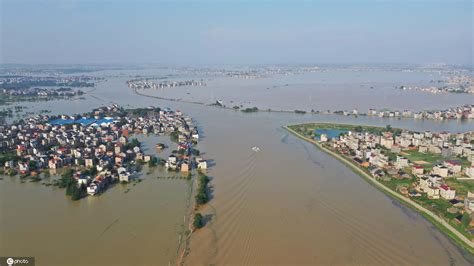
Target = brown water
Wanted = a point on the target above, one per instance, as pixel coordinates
(134, 224)
(292, 204)
(287, 204)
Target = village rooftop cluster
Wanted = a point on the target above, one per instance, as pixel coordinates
(42, 92)
(25, 82)
(386, 154)
(148, 84)
(452, 84)
(97, 145)
(460, 112)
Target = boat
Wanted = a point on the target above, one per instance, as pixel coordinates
(255, 149)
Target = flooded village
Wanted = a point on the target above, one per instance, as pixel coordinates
(434, 169)
(95, 149)
(163, 208)
(236, 133)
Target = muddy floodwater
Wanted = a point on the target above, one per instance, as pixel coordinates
(287, 204)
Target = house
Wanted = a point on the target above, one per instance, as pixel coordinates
(401, 162)
(99, 183)
(430, 181)
(202, 165)
(171, 163)
(52, 164)
(432, 192)
(124, 175)
(118, 149)
(417, 170)
(386, 140)
(434, 149)
(447, 192)
(146, 158)
(89, 163)
(453, 166)
(184, 167)
(81, 179)
(323, 137)
(440, 170)
(23, 167)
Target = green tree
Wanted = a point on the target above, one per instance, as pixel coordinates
(70, 188)
(32, 164)
(466, 219)
(201, 196)
(134, 143)
(78, 192)
(153, 161)
(174, 136)
(198, 221)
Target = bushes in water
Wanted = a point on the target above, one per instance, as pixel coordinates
(198, 221)
(201, 196)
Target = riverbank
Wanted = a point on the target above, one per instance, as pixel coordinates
(461, 240)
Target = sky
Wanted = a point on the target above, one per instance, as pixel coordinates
(236, 32)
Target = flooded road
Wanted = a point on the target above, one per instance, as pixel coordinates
(287, 204)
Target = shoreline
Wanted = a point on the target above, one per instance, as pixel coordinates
(459, 239)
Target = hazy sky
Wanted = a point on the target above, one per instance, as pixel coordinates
(236, 32)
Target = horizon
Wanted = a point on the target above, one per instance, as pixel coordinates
(236, 32)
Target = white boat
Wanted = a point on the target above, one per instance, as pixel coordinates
(255, 149)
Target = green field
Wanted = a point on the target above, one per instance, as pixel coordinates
(461, 186)
(358, 128)
(431, 158)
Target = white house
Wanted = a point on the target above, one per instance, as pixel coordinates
(453, 166)
(440, 170)
(433, 192)
(202, 165)
(447, 192)
(324, 138)
(124, 175)
(401, 162)
(417, 170)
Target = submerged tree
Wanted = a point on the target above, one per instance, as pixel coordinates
(198, 221)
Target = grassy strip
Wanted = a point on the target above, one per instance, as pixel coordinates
(458, 241)
(356, 128)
